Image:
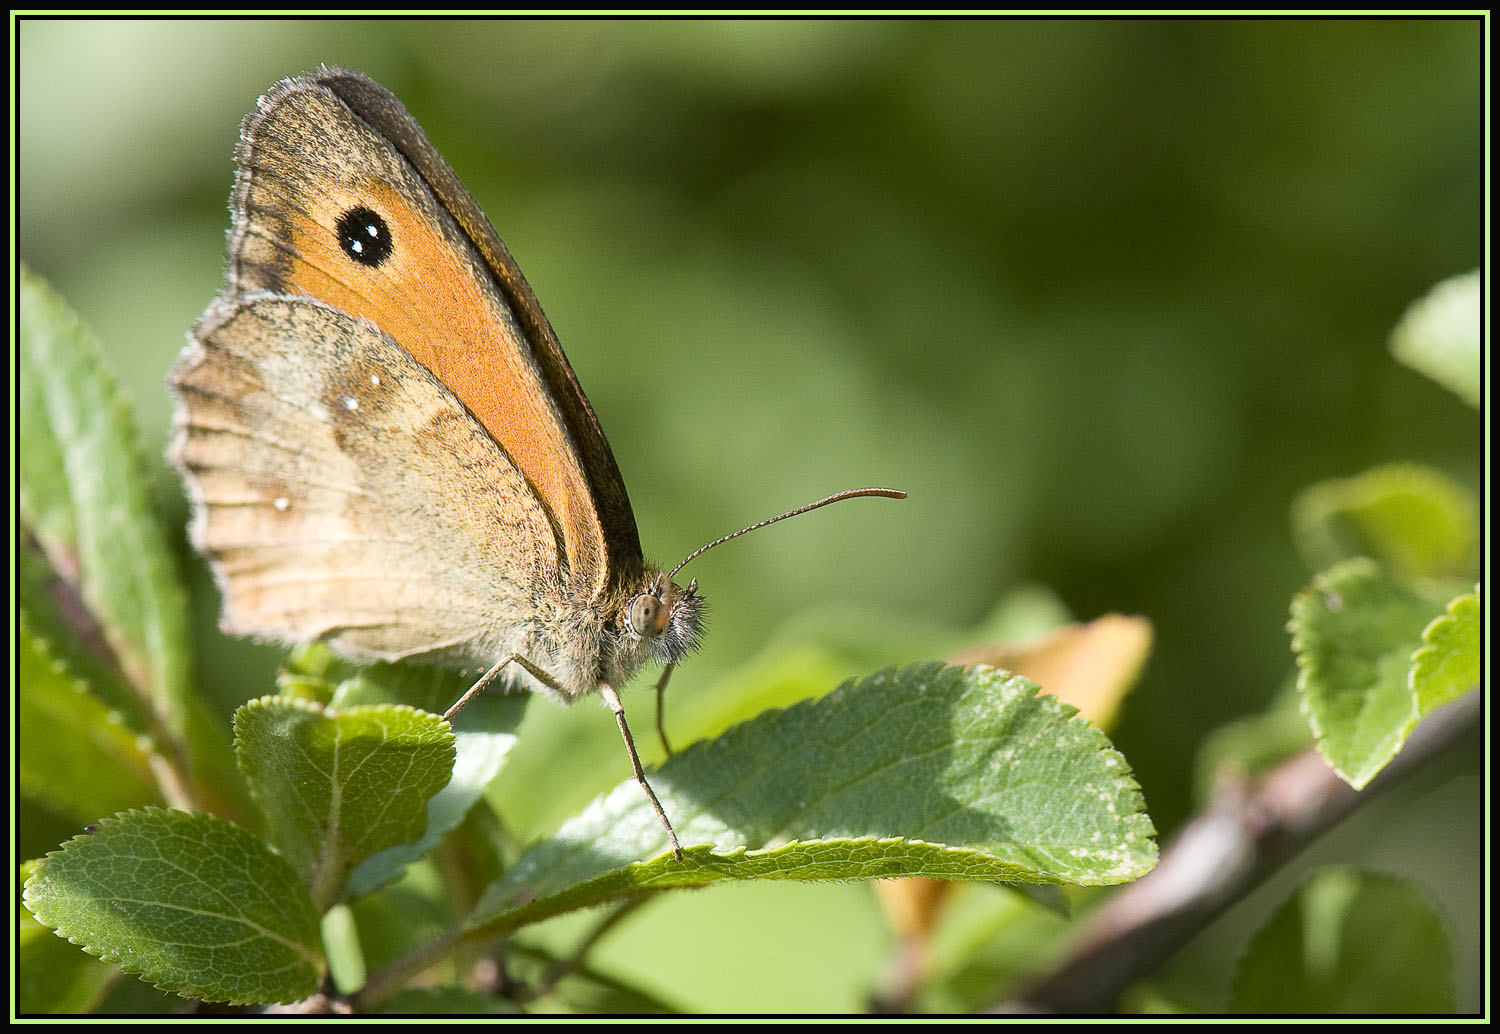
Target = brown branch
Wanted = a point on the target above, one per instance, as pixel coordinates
(1215, 860)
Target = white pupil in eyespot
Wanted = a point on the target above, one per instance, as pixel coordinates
(371, 231)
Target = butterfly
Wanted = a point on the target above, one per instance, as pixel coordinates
(385, 447)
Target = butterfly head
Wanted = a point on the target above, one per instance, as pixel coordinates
(666, 619)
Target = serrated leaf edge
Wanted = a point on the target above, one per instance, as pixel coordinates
(186, 992)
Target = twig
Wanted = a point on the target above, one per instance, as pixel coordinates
(1215, 860)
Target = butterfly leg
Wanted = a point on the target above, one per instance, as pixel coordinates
(610, 697)
(489, 676)
(613, 700)
(661, 708)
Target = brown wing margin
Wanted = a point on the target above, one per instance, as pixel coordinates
(380, 108)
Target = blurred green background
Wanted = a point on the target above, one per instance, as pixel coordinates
(1101, 296)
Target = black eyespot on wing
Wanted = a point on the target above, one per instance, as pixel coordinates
(364, 236)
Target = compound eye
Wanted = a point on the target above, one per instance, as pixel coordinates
(645, 615)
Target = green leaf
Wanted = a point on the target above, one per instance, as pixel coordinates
(58, 618)
(52, 976)
(1416, 520)
(191, 903)
(1439, 335)
(83, 499)
(925, 771)
(336, 786)
(477, 760)
(486, 734)
(79, 760)
(1354, 630)
(1447, 666)
(1348, 943)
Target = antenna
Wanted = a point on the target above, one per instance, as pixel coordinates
(853, 493)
